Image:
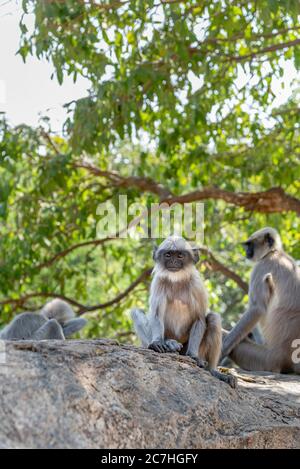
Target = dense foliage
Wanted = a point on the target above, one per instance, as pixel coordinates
(181, 101)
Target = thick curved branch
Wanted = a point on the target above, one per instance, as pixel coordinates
(144, 184)
(273, 200)
(270, 201)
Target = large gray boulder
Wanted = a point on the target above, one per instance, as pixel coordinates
(98, 394)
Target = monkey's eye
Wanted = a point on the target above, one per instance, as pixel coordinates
(180, 255)
(167, 255)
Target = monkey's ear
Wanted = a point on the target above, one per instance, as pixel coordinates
(155, 249)
(269, 240)
(196, 255)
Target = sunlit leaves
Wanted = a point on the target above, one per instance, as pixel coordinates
(151, 47)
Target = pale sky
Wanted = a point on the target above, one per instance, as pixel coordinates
(27, 91)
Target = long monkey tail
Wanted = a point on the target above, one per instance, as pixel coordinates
(141, 326)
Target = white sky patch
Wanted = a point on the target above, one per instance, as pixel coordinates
(29, 91)
(196, 82)
(2, 92)
(283, 88)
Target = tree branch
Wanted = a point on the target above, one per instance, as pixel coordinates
(217, 266)
(264, 50)
(65, 252)
(273, 200)
(144, 184)
(146, 273)
(253, 37)
(21, 300)
(241, 58)
(50, 141)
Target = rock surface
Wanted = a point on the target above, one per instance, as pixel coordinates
(98, 394)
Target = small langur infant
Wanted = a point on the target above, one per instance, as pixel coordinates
(178, 319)
(274, 303)
(56, 320)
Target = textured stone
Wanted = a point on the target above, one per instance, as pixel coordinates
(98, 394)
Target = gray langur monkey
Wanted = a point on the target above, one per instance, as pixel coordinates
(177, 320)
(274, 303)
(56, 320)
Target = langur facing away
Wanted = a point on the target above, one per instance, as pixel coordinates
(177, 320)
(274, 303)
(56, 320)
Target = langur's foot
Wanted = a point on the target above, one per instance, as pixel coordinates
(158, 346)
(173, 346)
(166, 346)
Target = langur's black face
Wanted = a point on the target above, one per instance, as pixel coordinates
(249, 249)
(255, 249)
(175, 260)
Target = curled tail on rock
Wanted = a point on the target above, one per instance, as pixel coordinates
(56, 320)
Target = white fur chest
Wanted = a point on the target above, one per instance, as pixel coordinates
(178, 318)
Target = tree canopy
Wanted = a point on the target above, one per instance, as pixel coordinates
(180, 109)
